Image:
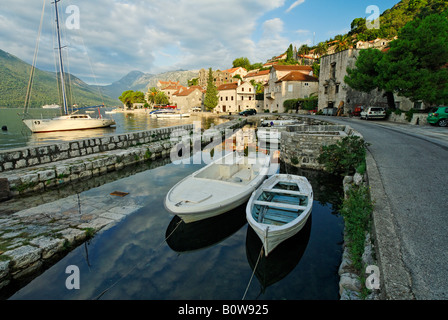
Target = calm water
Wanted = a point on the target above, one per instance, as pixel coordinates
(18, 135)
(211, 259)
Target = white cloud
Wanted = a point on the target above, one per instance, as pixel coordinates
(272, 42)
(119, 36)
(295, 4)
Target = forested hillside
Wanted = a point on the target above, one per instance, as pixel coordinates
(14, 77)
(395, 18)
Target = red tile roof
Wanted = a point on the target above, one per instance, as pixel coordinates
(257, 73)
(298, 76)
(228, 86)
(292, 68)
(186, 91)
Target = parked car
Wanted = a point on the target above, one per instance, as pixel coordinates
(248, 112)
(438, 116)
(373, 113)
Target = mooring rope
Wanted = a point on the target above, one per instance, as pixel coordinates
(134, 267)
(255, 268)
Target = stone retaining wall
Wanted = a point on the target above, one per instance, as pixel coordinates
(301, 145)
(31, 156)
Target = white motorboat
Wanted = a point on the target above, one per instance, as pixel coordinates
(172, 115)
(66, 122)
(220, 186)
(279, 208)
(51, 106)
(276, 123)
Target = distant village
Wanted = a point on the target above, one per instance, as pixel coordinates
(269, 88)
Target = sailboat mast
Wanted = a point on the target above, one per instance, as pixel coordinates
(61, 66)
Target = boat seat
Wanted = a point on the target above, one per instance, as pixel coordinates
(280, 205)
(243, 175)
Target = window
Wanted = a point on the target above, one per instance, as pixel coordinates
(290, 88)
(333, 70)
(242, 89)
(326, 90)
(227, 98)
(337, 89)
(306, 84)
(231, 98)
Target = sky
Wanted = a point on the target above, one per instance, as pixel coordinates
(106, 39)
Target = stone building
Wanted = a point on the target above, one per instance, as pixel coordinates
(236, 97)
(257, 76)
(288, 82)
(171, 90)
(334, 92)
(219, 77)
(187, 98)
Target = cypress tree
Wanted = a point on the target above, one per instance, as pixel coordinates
(211, 95)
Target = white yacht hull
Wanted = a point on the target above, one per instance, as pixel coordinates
(65, 123)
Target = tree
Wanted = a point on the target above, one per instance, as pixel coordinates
(126, 98)
(193, 82)
(343, 42)
(130, 97)
(242, 62)
(290, 53)
(416, 64)
(211, 95)
(152, 95)
(321, 48)
(161, 98)
(367, 75)
(304, 50)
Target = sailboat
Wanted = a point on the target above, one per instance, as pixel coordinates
(68, 121)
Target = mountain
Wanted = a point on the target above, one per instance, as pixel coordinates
(139, 81)
(115, 89)
(14, 77)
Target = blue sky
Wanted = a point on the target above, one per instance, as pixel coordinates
(114, 37)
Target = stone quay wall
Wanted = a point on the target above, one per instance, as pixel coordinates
(301, 145)
(36, 169)
(39, 155)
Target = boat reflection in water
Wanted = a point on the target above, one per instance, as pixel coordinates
(280, 261)
(185, 237)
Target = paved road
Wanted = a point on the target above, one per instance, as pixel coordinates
(412, 165)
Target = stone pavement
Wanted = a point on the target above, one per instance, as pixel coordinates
(32, 237)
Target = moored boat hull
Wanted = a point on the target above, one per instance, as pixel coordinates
(66, 124)
(277, 213)
(217, 188)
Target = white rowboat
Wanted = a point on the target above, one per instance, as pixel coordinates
(279, 208)
(220, 186)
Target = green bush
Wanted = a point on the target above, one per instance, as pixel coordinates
(345, 156)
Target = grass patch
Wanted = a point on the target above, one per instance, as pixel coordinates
(357, 210)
